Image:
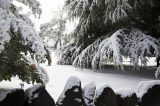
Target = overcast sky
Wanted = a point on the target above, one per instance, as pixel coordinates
(48, 8)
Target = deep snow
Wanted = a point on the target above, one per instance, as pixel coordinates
(59, 74)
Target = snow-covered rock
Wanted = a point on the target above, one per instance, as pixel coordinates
(148, 93)
(72, 93)
(157, 73)
(89, 92)
(126, 97)
(12, 97)
(105, 96)
(144, 86)
(125, 92)
(38, 96)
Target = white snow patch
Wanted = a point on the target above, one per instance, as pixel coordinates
(125, 92)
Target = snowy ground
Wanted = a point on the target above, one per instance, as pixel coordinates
(59, 74)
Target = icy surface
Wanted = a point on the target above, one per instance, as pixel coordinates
(125, 92)
(144, 86)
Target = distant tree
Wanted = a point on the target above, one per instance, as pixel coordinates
(55, 28)
(21, 49)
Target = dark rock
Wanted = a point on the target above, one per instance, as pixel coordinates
(14, 97)
(72, 94)
(106, 97)
(152, 97)
(38, 96)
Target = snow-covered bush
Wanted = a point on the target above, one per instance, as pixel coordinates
(131, 43)
(21, 49)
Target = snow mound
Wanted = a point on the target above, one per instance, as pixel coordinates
(144, 86)
(125, 92)
(89, 93)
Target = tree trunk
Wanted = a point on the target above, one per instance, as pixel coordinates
(55, 45)
(60, 43)
(158, 61)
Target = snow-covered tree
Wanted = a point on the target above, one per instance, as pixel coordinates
(98, 15)
(21, 49)
(84, 59)
(66, 53)
(130, 32)
(131, 43)
(55, 28)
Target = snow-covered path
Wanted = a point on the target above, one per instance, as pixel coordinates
(59, 74)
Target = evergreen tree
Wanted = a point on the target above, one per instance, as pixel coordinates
(115, 21)
(99, 17)
(21, 49)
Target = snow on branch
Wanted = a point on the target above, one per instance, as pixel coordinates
(84, 59)
(140, 46)
(110, 50)
(66, 53)
(16, 26)
(131, 43)
(34, 5)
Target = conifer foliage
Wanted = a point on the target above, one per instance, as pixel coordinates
(21, 49)
(111, 30)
